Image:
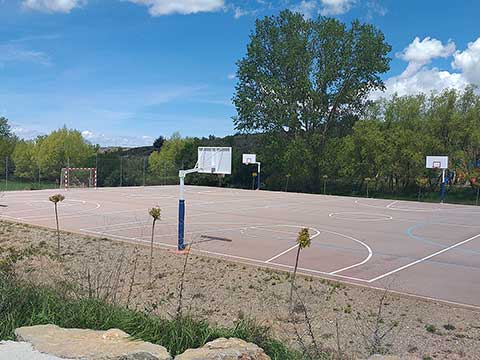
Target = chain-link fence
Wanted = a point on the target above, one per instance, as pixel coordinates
(115, 170)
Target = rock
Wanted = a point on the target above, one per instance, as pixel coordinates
(10, 350)
(225, 349)
(85, 344)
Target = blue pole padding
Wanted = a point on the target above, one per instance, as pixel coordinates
(443, 192)
(181, 225)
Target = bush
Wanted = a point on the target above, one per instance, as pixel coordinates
(23, 304)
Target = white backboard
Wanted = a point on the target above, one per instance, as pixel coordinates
(215, 160)
(249, 159)
(437, 162)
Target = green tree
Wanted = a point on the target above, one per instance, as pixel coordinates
(61, 148)
(25, 159)
(303, 80)
(176, 152)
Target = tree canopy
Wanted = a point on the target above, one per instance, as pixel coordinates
(307, 76)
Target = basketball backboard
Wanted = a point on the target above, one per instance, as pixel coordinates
(437, 162)
(249, 159)
(215, 160)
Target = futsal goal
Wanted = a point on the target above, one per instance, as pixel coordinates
(78, 178)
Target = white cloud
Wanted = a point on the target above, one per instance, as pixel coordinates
(167, 7)
(468, 62)
(15, 53)
(62, 6)
(231, 76)
(419, 78)
(239, 12)
(308, 8)
(420, 53)
(424, 81)
(335, 7)
(117, 140)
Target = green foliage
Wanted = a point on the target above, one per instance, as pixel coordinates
(155, 212)
(175, 152)
(25, 159)
(431, 328)
(23, 304)
(7, 144)
(61, 148)
(303, 82)
(303, 239)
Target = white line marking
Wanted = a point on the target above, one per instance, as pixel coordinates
(293, 247)
(384, 217)
(397, 208)
(369, 256)
(391, 204)
(424, 259)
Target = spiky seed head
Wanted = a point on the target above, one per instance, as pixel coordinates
(303, 239)
(56, 198)
(155, 212)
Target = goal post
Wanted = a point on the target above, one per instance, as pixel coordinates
(78, 178)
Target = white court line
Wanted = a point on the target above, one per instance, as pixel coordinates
(397, 209)
(293, 247)
(384, 217)
(391, 204)
(423, 259)
(335, 273)
(370, 254)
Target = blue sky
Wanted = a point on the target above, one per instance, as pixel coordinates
(126, 71)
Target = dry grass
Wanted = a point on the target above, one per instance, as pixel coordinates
(345, 317)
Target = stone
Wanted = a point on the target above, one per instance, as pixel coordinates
(10, 350)
(225, 349)
(86, 344)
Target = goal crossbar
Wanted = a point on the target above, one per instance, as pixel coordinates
(66, 181)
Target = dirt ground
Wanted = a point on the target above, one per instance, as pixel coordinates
(342, 316)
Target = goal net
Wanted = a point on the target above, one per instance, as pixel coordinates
(78, 178)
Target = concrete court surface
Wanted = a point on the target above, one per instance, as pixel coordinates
(424, 249)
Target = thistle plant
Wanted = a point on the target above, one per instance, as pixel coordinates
(155, 213)
(303, 241)
(56, 199)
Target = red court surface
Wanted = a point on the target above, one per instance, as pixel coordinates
(427, 250)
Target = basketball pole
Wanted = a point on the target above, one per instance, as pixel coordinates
(181, 208)
(443, 187)
(258, 176)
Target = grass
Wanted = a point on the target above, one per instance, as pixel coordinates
(23, 304)
(13, 185)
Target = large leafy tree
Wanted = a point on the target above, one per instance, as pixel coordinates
(304, 80)
(61, 148)
(7, 144)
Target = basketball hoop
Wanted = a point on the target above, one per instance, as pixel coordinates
(436, 165)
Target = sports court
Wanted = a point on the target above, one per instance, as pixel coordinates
(429, 250)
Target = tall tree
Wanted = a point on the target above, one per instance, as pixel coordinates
(307, 78)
